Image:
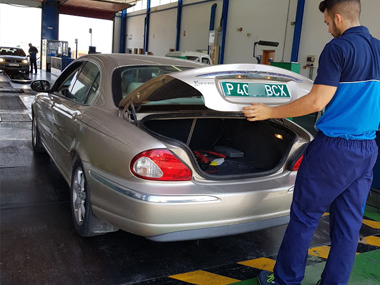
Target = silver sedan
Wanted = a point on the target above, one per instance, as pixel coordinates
(159, 147)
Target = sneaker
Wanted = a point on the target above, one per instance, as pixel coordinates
(266, 277)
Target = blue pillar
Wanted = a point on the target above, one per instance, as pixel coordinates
(146, 27)
(297, 30)
(212, 21)
(224, 30)
(179, 18)
(50, 20)
(212, 16)
(122, 31)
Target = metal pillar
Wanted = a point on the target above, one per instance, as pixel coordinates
(179, 18)
(212, 22)
(297, 30)
(224, 30)
(146, 28)
(50, 20)
(122, 31)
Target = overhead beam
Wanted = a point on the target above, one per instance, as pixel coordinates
(86, 12)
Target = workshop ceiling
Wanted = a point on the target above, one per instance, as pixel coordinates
(99, 9)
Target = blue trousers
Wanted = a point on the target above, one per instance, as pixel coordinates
(335, 174)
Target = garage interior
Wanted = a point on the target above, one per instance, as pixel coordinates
(38, 244)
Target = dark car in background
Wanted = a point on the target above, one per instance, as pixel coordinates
(13, 59)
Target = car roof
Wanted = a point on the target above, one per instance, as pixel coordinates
(11, 47)
(122, 59)
(186, 53)
(110, 62)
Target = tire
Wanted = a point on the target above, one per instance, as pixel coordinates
(80, 201)
(36, 138)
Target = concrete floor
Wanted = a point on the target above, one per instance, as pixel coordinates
(38, 244)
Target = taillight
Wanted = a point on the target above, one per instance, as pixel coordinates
(160, 164)
(297, 164)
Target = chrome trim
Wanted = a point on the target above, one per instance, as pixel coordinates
(152, 198)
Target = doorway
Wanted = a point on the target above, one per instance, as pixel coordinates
(268, 56)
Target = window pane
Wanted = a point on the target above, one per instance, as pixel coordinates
(154, 3)
(134, 77)
(68, 83)
(144, 4)
(163, 2)
(93, 90)
(84, 82)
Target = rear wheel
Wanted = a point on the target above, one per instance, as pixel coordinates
(36, 139)
(80, 201)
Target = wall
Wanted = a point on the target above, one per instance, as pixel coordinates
(271, 20)
(196, 23)
(162, 34)
(259, 20)
(135, 31)
(314, 31)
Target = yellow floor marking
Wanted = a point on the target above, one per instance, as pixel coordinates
(372, 224)
(201, 277)
(260, 263)
(371, 240)
(321, 251)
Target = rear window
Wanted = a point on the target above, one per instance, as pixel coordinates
(166, 93)
(127, 78)
(12, 51)
(174, 92)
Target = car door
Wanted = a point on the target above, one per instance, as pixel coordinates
(68, 110)
(43, 113)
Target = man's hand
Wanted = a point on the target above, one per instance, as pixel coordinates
(257, 112)
(316, 100)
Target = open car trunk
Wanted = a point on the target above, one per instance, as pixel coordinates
(239, 147)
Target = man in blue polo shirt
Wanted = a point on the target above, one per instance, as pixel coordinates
(336, 171)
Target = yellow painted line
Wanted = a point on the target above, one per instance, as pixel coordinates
(371, 240)
(201, 277)
(321, 251)
(260, 263)
(372, 224)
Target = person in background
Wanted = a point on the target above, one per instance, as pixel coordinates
(69, 52)
(337, 168)
(33, 58)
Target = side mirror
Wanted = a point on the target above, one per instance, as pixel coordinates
(40, 85)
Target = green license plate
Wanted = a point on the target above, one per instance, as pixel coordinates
(255, 89)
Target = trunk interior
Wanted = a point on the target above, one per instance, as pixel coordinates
(249, 147)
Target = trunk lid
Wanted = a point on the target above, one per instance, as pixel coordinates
(225, 88)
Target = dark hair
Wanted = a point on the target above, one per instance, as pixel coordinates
(329, 4)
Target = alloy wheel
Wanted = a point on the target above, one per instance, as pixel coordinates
(79, 195)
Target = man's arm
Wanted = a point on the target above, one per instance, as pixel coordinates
(316, 100)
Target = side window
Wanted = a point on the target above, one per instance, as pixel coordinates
(66, 86)
(205, 60)
(93, 91)
(86, 84)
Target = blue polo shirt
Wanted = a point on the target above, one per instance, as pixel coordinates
(351, 63)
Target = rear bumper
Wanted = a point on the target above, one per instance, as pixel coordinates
(221, 231)
(210, 214)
